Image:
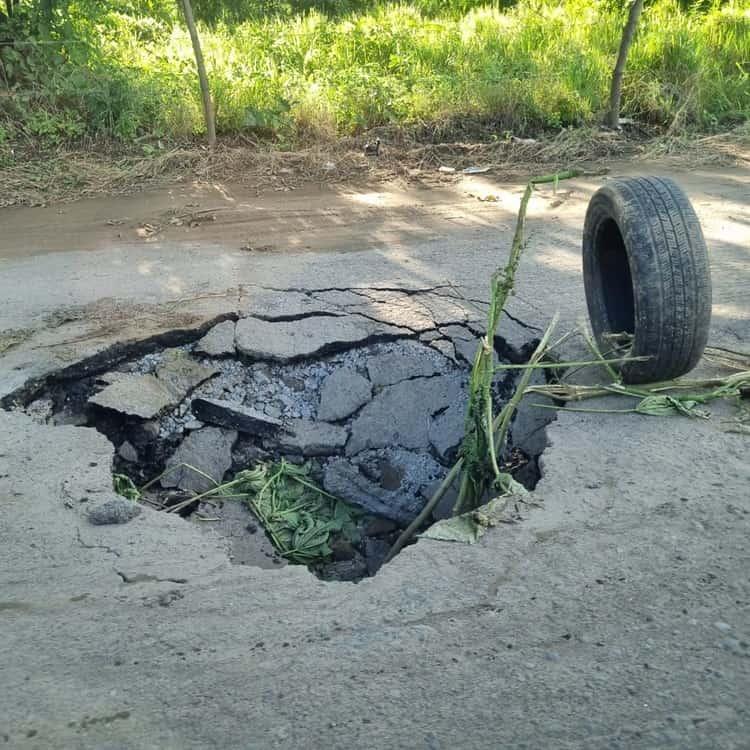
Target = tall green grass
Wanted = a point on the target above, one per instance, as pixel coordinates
(538, 65)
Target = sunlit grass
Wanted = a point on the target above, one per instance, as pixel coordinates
(538, 65)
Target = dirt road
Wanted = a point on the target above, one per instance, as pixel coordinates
(616, 614)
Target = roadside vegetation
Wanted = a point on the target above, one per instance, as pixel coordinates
(81, 71)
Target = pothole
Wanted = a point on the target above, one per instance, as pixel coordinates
(377, 424)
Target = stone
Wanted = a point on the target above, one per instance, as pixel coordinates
(312, 438)
(342, 393)
(234, 416)
(447, 430)
(219, 341)
(400, 415)
(285, 341)
(210, 451)
(194, 424)
(127, 452)
(147, 396)
(411, 360)
(342, 478)
(114, 511)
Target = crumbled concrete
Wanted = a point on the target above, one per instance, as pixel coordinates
(209, 450)
(342, 393)
(234, 417)
(114, 511)
(311, 438)
(413, 360)
(219, 341)
(291, 340)
(401, 414)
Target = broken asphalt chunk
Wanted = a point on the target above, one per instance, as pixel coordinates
(234, 416)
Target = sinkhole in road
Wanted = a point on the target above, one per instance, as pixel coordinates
(376, 425)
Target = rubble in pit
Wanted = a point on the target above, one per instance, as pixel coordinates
(382, 420)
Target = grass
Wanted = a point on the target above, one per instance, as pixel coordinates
(300, 518)
(298, 78)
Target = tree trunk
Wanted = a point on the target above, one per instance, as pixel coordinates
(208, 110)
(628, 33)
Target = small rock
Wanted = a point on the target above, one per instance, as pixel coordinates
(194, 424)
(312, 438)
(234, 416)
(114, 511)
(209, 450)
(342, 393)
(725, 627)
(219, 341)
(127, 452)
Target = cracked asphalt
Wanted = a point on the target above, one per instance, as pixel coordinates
(614, 615)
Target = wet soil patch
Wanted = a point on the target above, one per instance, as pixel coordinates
(378, 423)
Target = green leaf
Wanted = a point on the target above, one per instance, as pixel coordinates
(665, 405)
